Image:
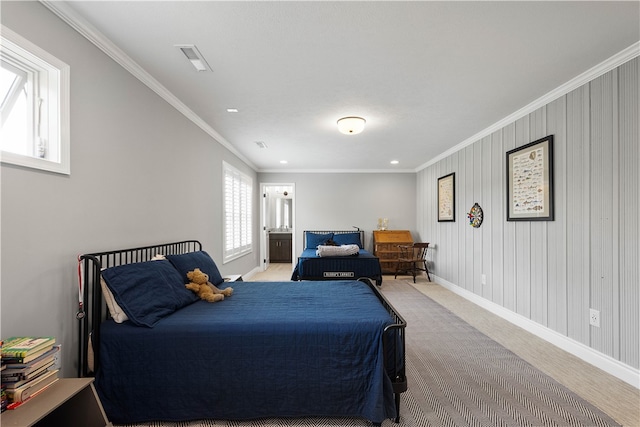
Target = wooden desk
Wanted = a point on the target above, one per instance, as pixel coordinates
(67, 402)
(385, 247)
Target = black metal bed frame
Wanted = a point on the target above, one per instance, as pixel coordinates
(89, 333)
(391, 341)
(93, 264)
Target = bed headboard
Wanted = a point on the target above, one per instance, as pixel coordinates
(94, 309)
(361, 232)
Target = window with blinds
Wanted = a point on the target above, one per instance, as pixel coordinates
(238, 193)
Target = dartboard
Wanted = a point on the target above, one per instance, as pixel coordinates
(475, 216)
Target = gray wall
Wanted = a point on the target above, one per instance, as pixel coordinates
(141, 173)
(338, 201)
(553, 272)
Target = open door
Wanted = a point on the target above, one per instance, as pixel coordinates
(264, 233)
(277, 213)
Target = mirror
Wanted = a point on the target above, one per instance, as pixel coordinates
(282, 213)
(279, 210)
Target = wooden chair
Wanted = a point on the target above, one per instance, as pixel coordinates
(412, 259)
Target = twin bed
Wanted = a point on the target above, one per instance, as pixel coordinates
(312, 266)
(272, 349)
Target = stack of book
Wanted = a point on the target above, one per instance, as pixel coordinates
(4, 401)
(28, 367)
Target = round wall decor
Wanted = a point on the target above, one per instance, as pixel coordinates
(475, 216)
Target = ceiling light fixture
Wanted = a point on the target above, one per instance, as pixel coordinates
(351, 125)
(194, 56)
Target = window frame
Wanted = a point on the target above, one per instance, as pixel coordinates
(54, 75)
(241, 215)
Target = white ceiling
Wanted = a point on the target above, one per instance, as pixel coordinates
(426, 76)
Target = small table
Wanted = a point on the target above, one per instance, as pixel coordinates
(67, 402)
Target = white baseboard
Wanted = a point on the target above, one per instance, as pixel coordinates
(252, 273)
(608, 364)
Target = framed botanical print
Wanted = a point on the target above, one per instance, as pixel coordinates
(446, 198)
(530, 181)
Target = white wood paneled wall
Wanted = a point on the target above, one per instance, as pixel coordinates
(553, 272)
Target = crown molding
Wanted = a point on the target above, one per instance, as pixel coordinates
(75, 21)
(351, 171)
(615, 61)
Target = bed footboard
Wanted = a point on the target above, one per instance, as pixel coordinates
(394, 348)
(93, 310)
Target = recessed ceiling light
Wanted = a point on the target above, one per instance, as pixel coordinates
(232, 110)
(284, 162)
(394, 162)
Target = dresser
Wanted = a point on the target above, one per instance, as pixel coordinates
(385, 247)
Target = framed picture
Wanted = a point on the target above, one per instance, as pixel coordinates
(530, 181)
(446, 198)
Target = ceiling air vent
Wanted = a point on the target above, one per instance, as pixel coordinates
(261, 144)
(194, 56)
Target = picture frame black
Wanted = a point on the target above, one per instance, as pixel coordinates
(447, 198)
(530, 195)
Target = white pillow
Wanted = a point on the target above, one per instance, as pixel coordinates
(116, 312)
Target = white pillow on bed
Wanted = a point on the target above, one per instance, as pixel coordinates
(115, 310)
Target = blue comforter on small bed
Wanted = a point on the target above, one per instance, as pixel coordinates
(283, 349)
(310, 266)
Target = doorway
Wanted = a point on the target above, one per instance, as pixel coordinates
(277, 216)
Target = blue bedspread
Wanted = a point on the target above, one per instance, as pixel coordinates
(312, 267)
(271, 349)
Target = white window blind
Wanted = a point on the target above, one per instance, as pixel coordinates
(238, 194)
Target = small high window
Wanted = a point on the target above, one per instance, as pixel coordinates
(34, 106)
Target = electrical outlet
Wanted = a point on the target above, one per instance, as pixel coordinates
(483, 279)
(594, 317)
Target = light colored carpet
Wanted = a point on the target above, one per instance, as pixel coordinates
(458, 376)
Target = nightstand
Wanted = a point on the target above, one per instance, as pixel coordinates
(67, 402)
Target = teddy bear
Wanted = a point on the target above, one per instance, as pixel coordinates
(203, 288)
